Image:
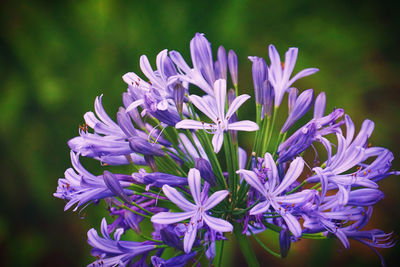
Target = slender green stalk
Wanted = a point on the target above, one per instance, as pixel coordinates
(264, 246)
(245, 246)
(270, 131)
(221, 251)
(136, 212)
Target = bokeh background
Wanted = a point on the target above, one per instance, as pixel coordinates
(57, 57)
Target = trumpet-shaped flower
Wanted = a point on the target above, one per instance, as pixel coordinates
(272, 191)
(279, 75)
(216, 112)
(197, 212)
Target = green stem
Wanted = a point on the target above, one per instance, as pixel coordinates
(245, 246)
(265, 247)
(221, 251)
(134, 211)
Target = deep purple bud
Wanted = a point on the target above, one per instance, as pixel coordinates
(158, 178)
(170, 238)
(319, 106)
(284, 242)
(292, 98)
(221, 64)
(268, 98)
(113, 184)
(142, 146)
(178, 92)
(297, 143)
(302, 105)
(206, 171)
(260, 74)
(233, 66)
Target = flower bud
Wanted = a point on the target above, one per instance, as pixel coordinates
(233, 66)
(205, 171)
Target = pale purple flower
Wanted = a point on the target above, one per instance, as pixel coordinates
(216, 112)
(273, 191)
(113, 251)
(279, 75)
(80, 186)
(197, 212)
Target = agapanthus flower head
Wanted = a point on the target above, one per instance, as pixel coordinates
(168, 135)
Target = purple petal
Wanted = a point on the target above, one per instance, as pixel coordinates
(217, 141)
(301, 74)
(350, 129)
(191, 124)
(253, 180)
(237, 102)
(275, 63)
(189, 238)
(294, 171)
(171, 217)
(319, 106)
(290, 62)
(214, 199)
(272, 171)
(260, 208)
(220, 97)
(177, 198)
(194, 181)
(204, 107)
(217, 224)
(245, 125)
(291, 221)
(148, 71)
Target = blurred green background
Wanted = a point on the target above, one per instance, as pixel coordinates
(57, 57)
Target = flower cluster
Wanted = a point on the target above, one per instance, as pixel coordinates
(310, 176)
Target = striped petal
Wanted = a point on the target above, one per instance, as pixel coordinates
(176, 197)
(171, 217)
(217, 224)
(194, 180)
(253, 180)
(215, 198)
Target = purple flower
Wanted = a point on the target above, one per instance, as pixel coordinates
(216, 112)
(111, 252)
(312, 131)
(272, 191)
(279, 75)
(80, 186)
(197, 212)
